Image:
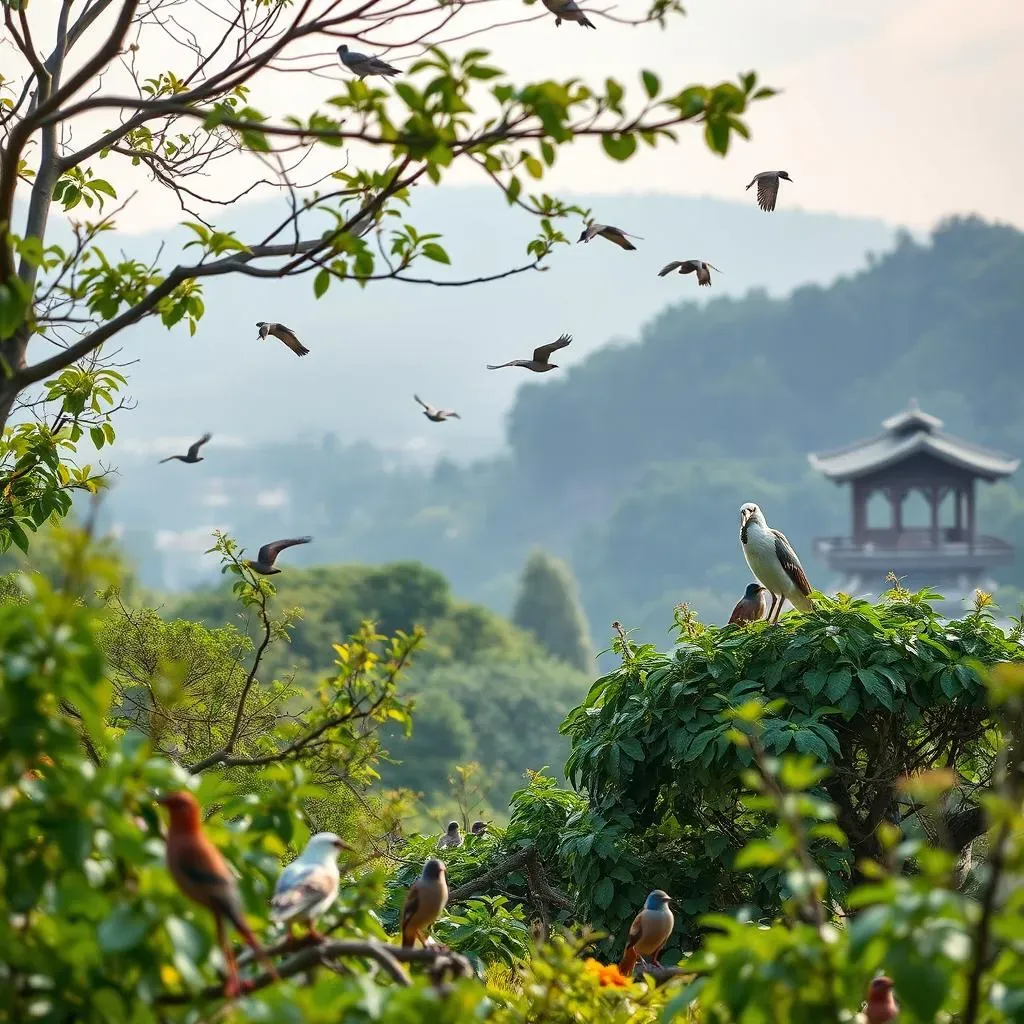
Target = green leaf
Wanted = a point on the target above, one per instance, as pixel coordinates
(838, 683)
(651, 83)
(321, 282)
(876, 686)
(618, 147)
(604, 891)
(921, 983)
(122, 930)
(434, 252)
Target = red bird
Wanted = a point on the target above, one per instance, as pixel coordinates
(751, 605)
(203, 875)
(881, 1006)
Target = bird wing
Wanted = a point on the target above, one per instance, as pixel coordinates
(193, 449)
(674, 265)
(429, 408)
(412, 904)
(289, 337)
(515, 362)
(739, 613)
(543, 353)
(382, 67)
(205, 876)
(790, 563)
(269, 552)
(593, 230)
(450, 414)
(619, 237)
(714, 268)
(767, 192)
(636, 929)
(300, 888)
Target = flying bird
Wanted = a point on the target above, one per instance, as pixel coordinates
(768, 188)
(267, 555)
(702, 267)
(452, 838)
(613, 234)
(282, 333)
(750, 607)
(309, 885)
(568, 10)
(363, 64)
(649, 932)
(773, 561)
(193, 451)
(203, 876)
(479, 827)
(540, 362)
(423, 903)
(881, 1005)
(436, 415)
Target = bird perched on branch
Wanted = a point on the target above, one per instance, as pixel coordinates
(479, 827)
(193, 452)
(309, 885)
(452, 838)
(424, 902)
(284, 334)
(436, 415)
(540, 363)
(768, 188)
(267, 555)
(702, 267)
(613, 234)
(203, 876)
(750, 607)
(649, 932)
(568, 10)
(773, 561)
(881, 1005)
(364, 64)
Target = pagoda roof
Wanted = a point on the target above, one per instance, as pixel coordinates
(911, 432)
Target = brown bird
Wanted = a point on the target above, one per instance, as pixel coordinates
(881, 1005)
(479, 827)
(751, 606)
(436, 415)
(649, 932)
(540, 362)
(768, 188)
(613, 234)
(267, 555)
(424, 902)
(282, 333)
(193, 451)
(702, 268)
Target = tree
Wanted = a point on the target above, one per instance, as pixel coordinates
(548, 606)
(104, 93)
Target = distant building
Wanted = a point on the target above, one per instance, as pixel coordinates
(912, 457)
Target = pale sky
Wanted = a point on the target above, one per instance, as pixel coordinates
(907, 110)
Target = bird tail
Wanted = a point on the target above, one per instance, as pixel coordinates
(627, 244)
(628, 962)
(408, 938)
(251, 941)
(586, 22)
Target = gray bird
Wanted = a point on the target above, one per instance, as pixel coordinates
(540, 361)
(267, 555)
(436, 415)
(364, 64)
(193, 451)
(613, 234)
(568, 10)
(702, 267)
(479, 827)
(452, 838)
(282, 333)
(768, 188)
(774, 562)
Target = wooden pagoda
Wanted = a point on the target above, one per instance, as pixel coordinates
(912, 455)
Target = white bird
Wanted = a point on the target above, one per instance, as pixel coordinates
(436, 415)
(364, 64)
(309, 885)
(768, 188)
(613, 234)
(773, 561)
(570, 11)
(702, 267)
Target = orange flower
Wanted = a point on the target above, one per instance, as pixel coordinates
(606, 974)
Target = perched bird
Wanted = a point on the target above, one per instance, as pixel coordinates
(423, 903)
(570, 11)
(649, 932)
(881, 1005)
(613, 234)
(479, 827)
(702, 267)
(768, 188)
(773, 561)
(436, 415)
(750, 607)
(203, 875)
(309, 885)
(193, 451)
(282, 333)
(540, 362)
(363, 64)
(452, 838)
(267, 555)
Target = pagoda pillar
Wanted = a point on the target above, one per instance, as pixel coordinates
(934, 500)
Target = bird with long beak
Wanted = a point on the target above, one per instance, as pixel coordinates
(309, 885)
(364, 64)
(881, 1005)
(436, 415)
(768, 188)
(541, 361)
(193, 451)
(267, 555)
(424, 902)
(701, 267)
(750, 607)
(649, 932)
(282, 333)
(613, 234)
(452, 838)
(773, 561)
(203, 876)
(479, 827)
(568, 10)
